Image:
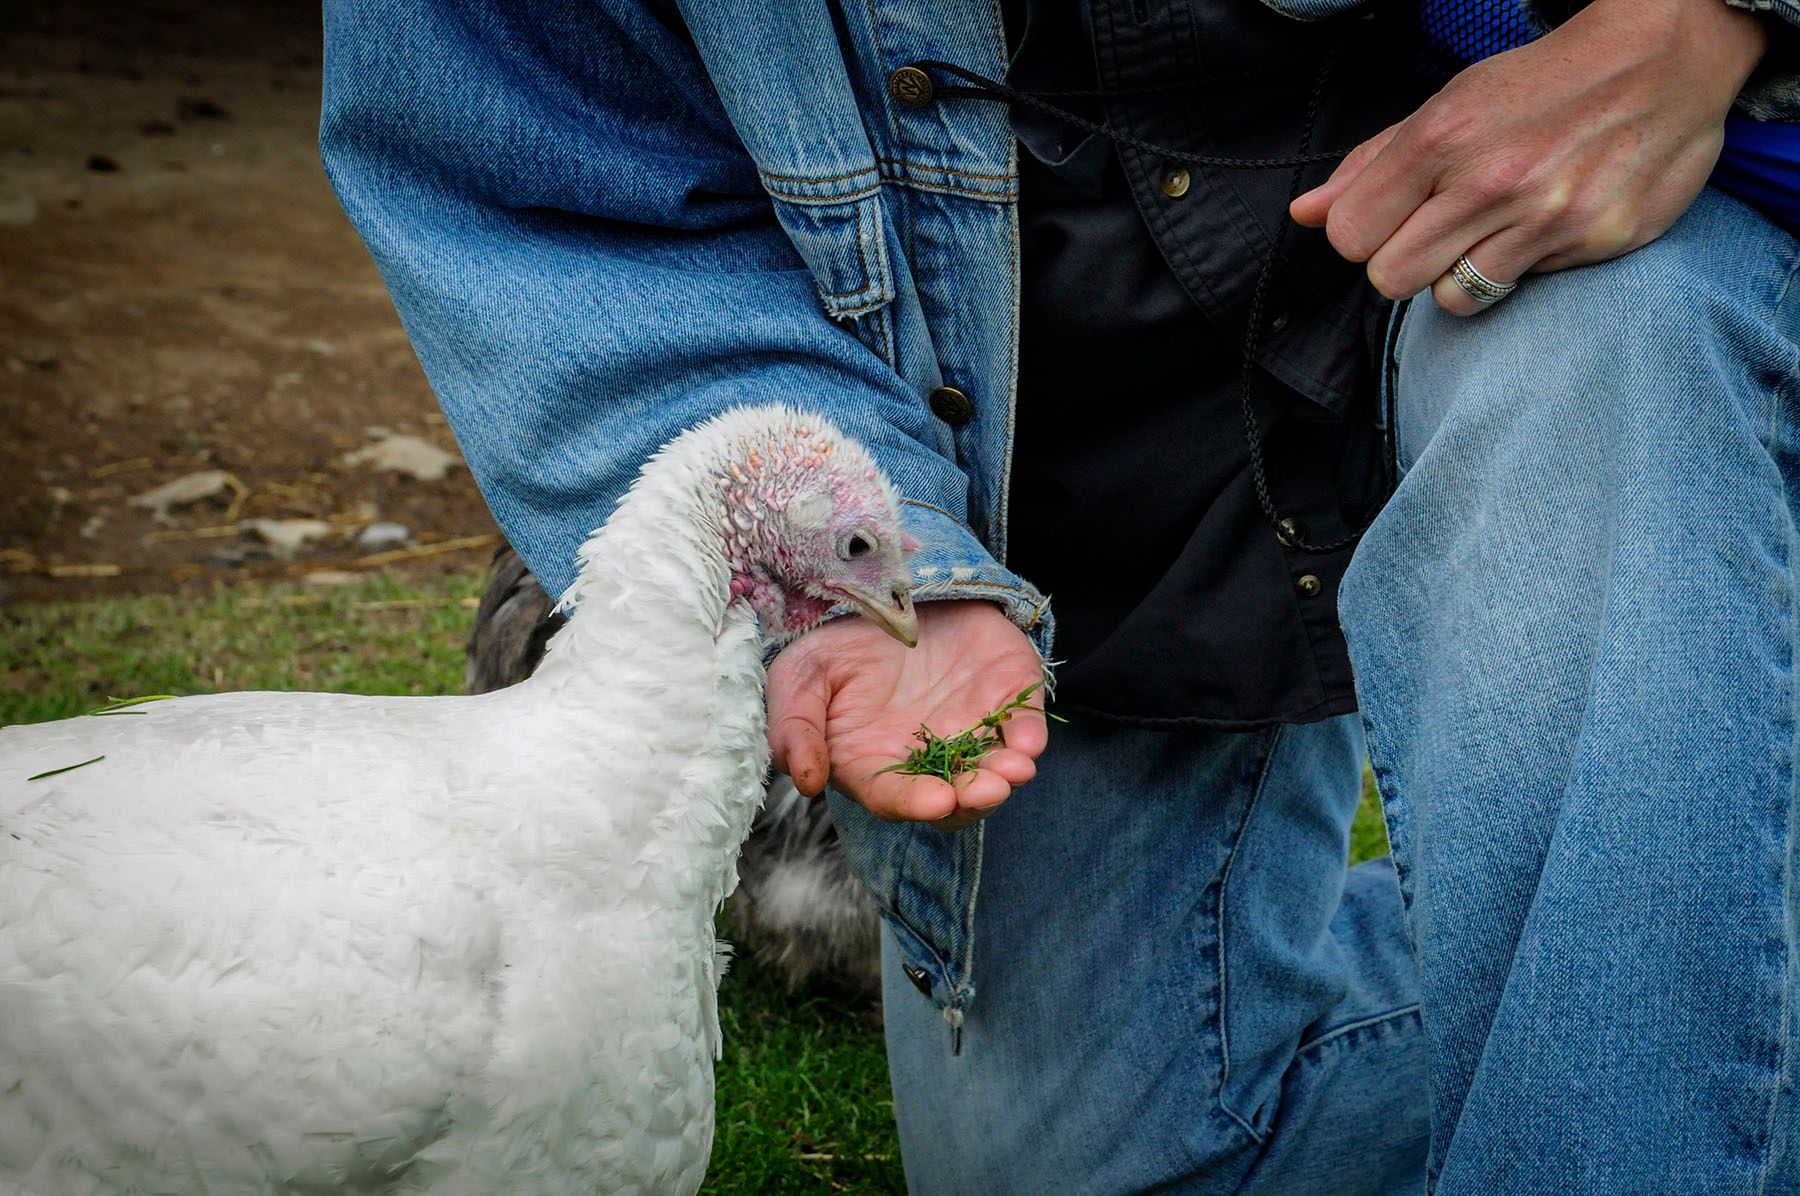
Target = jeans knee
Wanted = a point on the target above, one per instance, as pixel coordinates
(1528, 373)
(1635, 414)
(1665, 345)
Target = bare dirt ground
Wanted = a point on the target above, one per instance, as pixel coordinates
(180, 294)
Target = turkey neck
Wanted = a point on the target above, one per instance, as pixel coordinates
(654, 580)
(656, 657)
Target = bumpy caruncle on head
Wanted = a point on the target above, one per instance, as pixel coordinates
(808, 522)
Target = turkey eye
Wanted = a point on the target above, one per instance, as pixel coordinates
(857, 546)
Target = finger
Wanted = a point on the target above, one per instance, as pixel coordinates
(1428, 242)
(799, 696)
(1502, 258)
(894, 796)
(1012, 765)
(979, 798)
(1311, 209)
(1379, 199)
(1027, 731)
(800, 752)
(981, 790)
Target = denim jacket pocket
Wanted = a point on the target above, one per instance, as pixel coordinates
(924, 881)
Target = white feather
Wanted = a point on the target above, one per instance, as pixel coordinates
(309, 942)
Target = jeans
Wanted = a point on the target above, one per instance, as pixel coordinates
(1181, 986)
(1573, 630)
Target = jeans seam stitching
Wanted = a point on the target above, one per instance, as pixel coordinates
(1262, 781)
(914, 502)
(1773, 1137)
(1337, 1032)
(816, 178)
(1787, 284)
(889, 117)
(800, 199)
(964, 982)
(909, 164)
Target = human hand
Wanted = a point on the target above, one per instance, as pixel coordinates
(845, 700)
(1578, 147)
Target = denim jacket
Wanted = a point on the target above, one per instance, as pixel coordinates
(601, 223)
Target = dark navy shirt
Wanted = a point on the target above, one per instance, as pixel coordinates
(1132, 500)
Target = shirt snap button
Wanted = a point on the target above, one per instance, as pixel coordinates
(911, 86)
(1310, 586)
(1175, 184)
(951, 405)
(921, 979)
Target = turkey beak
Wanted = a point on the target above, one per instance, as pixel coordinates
(895, 616)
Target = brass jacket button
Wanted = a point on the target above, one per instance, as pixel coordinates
(1310, 586)
(911, 86)
(952, 406)
(1175, 183)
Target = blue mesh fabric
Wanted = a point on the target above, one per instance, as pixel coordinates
(1458, 32)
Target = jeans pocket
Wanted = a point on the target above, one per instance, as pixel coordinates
(1386, 405)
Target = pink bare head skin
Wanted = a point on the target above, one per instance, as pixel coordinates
(810, 523)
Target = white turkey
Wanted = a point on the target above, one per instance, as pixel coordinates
(798, 907)
(308, 942)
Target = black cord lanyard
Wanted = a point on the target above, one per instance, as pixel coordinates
(983, 88)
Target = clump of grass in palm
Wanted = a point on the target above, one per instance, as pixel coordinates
(946, 759)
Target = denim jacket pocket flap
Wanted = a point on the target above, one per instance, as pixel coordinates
(843, 241)
(1315, 10)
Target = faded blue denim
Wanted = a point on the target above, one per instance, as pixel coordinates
(1183, 991)
(1574, 630)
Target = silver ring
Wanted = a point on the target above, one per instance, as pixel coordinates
(1477, 285)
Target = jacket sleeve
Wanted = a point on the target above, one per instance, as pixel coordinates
(1773, 92)
(586, 263)
(1787, 10)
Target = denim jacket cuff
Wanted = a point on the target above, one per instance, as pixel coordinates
(1787, 10)
(1773, 92)
(952, 563)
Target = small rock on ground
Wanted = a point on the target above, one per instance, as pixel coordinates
(405, 454)
(189, 488)
(287, 536)
(384, 535)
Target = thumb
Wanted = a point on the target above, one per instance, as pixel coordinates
(799, 696)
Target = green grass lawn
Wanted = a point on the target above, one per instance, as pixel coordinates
(803, 1095)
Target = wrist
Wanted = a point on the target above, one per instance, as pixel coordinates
(1727, 41)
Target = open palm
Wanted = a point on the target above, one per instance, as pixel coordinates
(845, 701)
